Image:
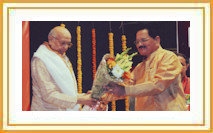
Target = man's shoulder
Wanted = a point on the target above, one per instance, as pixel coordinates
(166, 56)
(167, 52)
(36, 60)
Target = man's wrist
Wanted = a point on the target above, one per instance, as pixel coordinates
(128, 90)
(79, 99)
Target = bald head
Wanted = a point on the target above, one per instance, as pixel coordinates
(59, 39)
(59, 31)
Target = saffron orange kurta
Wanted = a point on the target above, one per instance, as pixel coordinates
(157, 83)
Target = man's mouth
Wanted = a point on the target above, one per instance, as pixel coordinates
(142, 47)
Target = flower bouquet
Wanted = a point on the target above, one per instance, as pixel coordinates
(112, 69)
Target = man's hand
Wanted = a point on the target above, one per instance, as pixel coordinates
(115, 89)
(86, 99)
(89, 92)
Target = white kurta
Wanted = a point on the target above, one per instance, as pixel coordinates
(54, 85)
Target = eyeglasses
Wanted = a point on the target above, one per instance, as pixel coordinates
(140, 41)
(64, 42)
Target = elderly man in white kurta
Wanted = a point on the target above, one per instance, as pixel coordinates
(53, 79)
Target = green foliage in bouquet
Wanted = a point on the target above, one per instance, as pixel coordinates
(120, 65)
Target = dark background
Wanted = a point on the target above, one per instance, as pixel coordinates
(167, 30)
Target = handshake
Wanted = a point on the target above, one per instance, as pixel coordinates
(91, 104)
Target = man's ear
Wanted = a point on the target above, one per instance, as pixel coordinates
(50, 38)
(157, 39)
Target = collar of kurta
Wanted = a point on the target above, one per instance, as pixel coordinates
(48, 46)
(153, 54)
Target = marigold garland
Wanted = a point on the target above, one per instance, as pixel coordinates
(94, 52)
(111, 51)
(123, 39)
(79, 61)
(62, 25)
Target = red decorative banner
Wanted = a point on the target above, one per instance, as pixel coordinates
(25, 66)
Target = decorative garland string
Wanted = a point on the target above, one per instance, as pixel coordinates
(79, 61)
(111, 51)
(123, 39)
(93, 52)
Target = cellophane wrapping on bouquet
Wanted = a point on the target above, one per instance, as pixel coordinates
(109, 70)
(102, 78)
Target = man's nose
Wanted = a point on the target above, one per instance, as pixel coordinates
(66, 46)
(140, 44)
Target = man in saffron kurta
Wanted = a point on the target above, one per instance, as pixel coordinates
(53, 79)
(156, 82)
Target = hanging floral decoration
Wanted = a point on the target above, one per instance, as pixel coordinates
(111, 51)
(123, 39)
(93, 53)
(62, 25)
(79, 61)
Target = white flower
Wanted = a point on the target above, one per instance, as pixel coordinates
(117, 71)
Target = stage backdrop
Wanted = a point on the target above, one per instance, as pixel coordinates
(39, 33)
